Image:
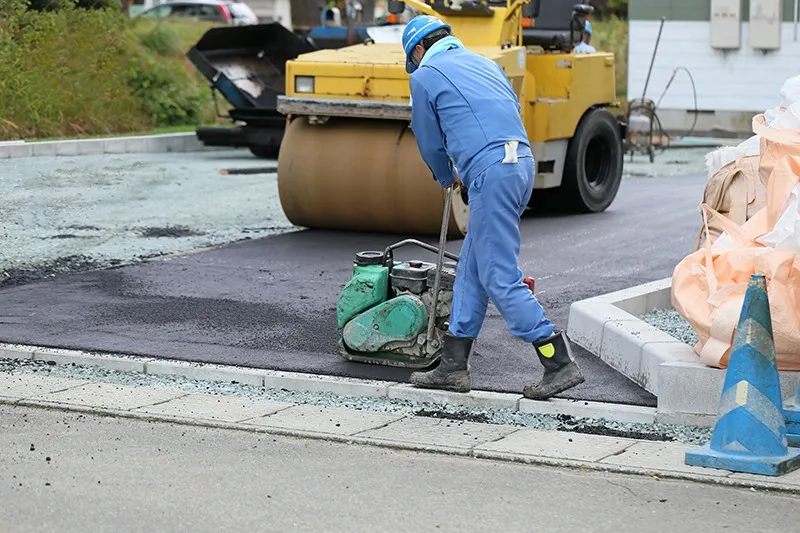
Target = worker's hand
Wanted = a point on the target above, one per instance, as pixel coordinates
(464, 192)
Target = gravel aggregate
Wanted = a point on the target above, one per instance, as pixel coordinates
(671, 162)
(656, 432)
(671, 322)
(61, 214)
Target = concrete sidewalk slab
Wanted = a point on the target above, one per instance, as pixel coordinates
(324, 420)
(208, 407)
(109, 396)
(19, 387)
(659, 456)
(558, 445)
(471, 439)
(443, 433)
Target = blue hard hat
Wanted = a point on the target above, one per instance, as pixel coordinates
(415, 31)
(588, 27)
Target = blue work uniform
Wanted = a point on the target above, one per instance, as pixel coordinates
(464, 112)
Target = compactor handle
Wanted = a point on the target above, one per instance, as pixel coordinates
(429, 247)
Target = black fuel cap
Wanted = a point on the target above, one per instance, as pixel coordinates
(369, 258)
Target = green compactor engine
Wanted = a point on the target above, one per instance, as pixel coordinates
(389, 312)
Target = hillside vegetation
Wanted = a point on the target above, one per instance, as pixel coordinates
(82, 68)
(71, 71)
(612, 36)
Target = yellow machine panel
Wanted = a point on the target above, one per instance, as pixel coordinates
(559, 83)
(377, 71)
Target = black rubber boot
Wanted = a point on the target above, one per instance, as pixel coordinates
(453, 371)
(561, 372)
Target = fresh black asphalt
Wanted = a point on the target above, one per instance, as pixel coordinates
(270, 303)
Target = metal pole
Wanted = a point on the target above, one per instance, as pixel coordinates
(653, 59)
(796, 2)
(439, 260)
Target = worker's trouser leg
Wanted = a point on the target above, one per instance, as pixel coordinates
(488, 264)
(470, 300)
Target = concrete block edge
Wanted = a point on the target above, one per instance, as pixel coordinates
(629, 345)
(157, 143)
(342, 386)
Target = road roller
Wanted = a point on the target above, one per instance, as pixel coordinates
(349, 160)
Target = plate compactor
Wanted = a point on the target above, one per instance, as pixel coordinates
(390, 312)
(396, 313)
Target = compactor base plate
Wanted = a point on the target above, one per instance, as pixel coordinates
(388, 358)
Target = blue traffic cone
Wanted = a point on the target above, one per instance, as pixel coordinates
(750, 433)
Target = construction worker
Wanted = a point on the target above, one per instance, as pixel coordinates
(584, 46)
(466, 119)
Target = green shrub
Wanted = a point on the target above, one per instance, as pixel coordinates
(72, 71)
(612, 36)
(606, 8)
(161, 39)
(56, 5)
(166, 92)
(59, 78)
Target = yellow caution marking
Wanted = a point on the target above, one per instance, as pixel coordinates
(548, 350)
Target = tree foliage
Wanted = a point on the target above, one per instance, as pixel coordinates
(605, 9)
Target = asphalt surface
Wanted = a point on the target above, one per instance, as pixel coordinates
(65, 471)
(270, 303)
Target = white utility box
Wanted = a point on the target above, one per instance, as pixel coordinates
(726, 24)
(765, 24)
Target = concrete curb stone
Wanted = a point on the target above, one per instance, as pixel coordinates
(687, 390)
(295, 381)
(160, 143)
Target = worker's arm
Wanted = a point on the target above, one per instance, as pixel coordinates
(430, 139)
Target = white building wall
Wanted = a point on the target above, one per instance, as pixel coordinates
(730, 83)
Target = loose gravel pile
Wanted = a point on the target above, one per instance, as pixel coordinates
(62, 214)
(671, 322)
(656, 432)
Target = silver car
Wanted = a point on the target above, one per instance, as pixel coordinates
(232, 12)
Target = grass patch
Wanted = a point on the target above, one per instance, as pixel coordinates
(612, 36)
(74, 72)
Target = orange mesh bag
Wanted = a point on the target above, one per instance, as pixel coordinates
(708, 286)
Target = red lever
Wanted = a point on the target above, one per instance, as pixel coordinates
(530, 282)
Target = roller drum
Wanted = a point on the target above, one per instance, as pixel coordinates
(361, 175)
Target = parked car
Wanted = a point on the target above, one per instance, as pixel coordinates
(231, 12)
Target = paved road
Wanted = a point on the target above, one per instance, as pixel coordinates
(271, 302)
(71, 472)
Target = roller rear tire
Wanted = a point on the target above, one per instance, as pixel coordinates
(592, 171)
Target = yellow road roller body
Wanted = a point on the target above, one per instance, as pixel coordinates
(349, 160)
